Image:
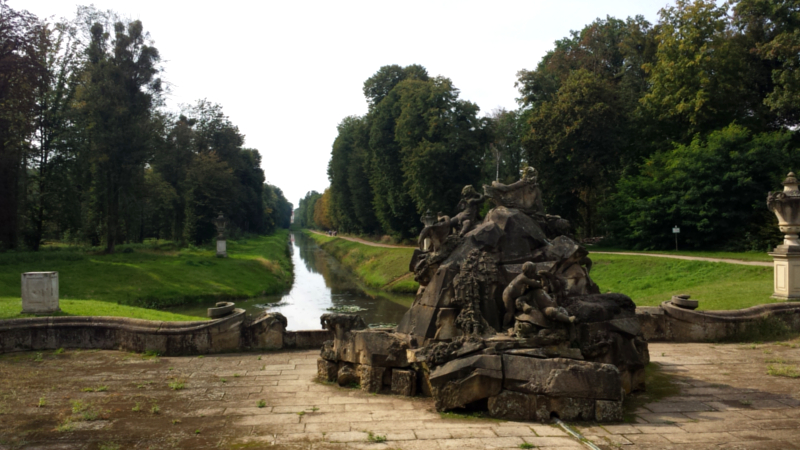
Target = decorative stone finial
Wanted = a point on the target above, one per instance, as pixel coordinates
(790, 185)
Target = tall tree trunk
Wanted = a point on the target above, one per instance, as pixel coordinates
(9, 195)
(112, 215)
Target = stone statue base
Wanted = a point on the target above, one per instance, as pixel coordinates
(40, 292)
(222, 248)
(576, 372)
(786, 260)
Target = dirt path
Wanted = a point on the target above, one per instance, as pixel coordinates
(114, 400)
(692, 258)
(362, 241)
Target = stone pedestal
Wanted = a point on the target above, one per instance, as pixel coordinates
(222, 248)
(787, 272)
(40, 292)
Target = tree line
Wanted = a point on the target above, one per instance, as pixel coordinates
(634, 127)
(89, 154)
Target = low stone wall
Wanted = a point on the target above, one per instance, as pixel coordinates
(670, 323)
(234, 332)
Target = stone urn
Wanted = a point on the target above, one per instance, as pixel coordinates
(786, 206)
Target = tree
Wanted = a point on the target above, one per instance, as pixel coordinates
(576, 140)
(21, 70)
(123, 87)
(504, 131)
(703, 77)
(340, 170)
(441, 142)
(322, 212)
(771, 30)
(713, 188)
(52, 152)
(210, 184)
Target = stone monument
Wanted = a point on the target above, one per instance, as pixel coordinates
(786, 206)
(40, 292)
(222, 248)
(506, 319)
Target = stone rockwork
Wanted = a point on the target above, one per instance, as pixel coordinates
(506, 319)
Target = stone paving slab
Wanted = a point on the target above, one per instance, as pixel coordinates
(104, 399)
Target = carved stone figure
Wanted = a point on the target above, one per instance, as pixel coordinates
(524, 194)
(470, 204)
(526, 294)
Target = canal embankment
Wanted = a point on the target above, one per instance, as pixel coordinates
(379, 267)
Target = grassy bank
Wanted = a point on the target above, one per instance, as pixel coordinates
(154, 276)
(647, 280)
(379, 268)
(650, 281)
(10, 308)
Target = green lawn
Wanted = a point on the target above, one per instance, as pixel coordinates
(378, 267)
(11, 307)
(650, 281)
(154, 276)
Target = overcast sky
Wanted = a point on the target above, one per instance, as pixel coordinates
(288, 72)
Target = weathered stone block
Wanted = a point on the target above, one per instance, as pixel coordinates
(478, 385)
(565, 408)
(458, 368)
(347, 375)
(222, 248)
(40, 292)
(560, 377)
(371, 377)
(608, 410)
(512, 405)
(327, 370)
(404, 382)
(373, 348)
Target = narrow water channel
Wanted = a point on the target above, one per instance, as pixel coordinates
(321, 284)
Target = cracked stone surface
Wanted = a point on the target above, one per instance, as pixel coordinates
(725, 400)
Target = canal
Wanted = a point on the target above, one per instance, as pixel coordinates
(321, 285)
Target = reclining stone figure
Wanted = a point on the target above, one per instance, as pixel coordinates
(525, 292)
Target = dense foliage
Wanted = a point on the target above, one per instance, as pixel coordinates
(89, 154)
(634, 127)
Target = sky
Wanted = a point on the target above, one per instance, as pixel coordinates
(286, 73)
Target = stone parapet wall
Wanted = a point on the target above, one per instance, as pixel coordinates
(669, 323)
(234, 332)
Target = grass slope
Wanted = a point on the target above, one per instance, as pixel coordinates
(10, 308)
(157, 276)
(650, 281)
(378, 267)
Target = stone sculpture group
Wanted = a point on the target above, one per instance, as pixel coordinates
(507, 319)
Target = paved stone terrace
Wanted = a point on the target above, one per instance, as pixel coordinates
(116, 400)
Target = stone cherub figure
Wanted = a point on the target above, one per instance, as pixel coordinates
(470, 204)
(464, 221)
(526, 291)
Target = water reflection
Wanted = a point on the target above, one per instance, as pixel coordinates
(320, 283)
